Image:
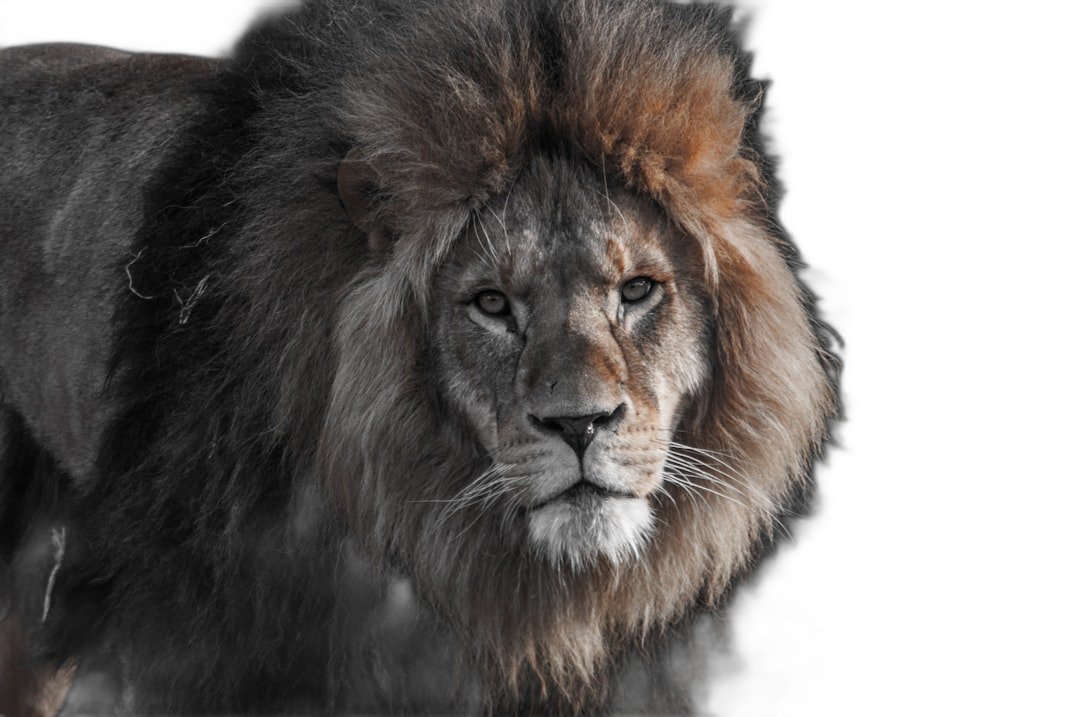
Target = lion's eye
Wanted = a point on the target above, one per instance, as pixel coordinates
(636, 289)
(492, 303)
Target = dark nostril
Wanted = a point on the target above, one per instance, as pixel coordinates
(579, 431)
(576, 425)
(611, 420)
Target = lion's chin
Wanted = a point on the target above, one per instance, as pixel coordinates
(580, 527)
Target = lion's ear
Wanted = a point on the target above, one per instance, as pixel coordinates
(357, 191)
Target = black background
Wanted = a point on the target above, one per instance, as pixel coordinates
(834, 624)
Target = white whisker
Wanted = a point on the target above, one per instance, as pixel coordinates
(487, 241)
(502, 222)
(706, 471)
(486, 252)
(482, 492)
(506, 203)
(712, 467)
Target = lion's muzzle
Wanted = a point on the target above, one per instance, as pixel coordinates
(579, 431)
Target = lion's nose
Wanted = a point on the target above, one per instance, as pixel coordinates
(579, 431)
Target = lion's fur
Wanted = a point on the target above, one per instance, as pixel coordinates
(268, 370)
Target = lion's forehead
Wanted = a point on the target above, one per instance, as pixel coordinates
(565, 260)
(584, 239)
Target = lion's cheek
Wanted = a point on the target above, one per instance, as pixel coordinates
(474, 381)
(673, 381)
(476, 404)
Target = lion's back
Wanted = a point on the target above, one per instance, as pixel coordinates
(82, 131)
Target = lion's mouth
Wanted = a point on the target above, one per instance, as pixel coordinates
(583, 493)
(586, 522)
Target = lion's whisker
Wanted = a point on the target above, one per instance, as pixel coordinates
(506, 485)
(488, 243)
(664, 492)
(711, 472)
(719, 494)
(491, 484)
(613, 204)
(502, 222)
(718, 464)
(675, 478)
(714, 455)
(715, 472)
(506, 204)
(687, 471)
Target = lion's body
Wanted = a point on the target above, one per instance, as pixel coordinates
(423, 356)
(61, 240)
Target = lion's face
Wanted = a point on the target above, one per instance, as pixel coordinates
(570, 410)
(570, 332)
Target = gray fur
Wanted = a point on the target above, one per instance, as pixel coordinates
(76, 161)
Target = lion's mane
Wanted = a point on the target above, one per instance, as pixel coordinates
(271, 362)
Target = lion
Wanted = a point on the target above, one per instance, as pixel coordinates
(426, 356)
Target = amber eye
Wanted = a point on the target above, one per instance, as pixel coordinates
(636, 289)
(492, 303)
